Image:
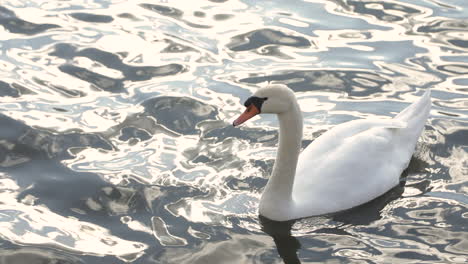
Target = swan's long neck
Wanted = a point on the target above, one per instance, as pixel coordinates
(280, 185)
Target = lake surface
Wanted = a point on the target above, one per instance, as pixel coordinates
(116, 143)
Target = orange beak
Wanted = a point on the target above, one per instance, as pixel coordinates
(250, 112)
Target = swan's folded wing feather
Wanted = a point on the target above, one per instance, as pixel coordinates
(349, 150)
(357, 161)
(367, 158)
(333, 138)
(393, 123)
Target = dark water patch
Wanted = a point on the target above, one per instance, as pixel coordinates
(51, 173)
(164, 10)
(306, 142)
(252, 135)
(202, 159)
(222, 17)
(94, 201)
(13, 24)
(132, 73)
(179, 114)
(199, 14)
(217, 156)
(167, 197)
(355, 83)
(69, 93)
(100, 81)
(371, 211)
(15, 154)
(445, 149)
(174, 47)
(87, 17)
(417, 165)
(108, 59)
(447, 30)
(172, 12)
(265, 165)
(254, 184)
(194, 25)
(128, 16)
(383, 10)
(459, 43)
(131, 132)
(263, 37)
(117, 200)
(85, 197)
(64, 50)
(7, 89)
(58, 145)
(143, 73)
(273, 51)
(408, 255)
(23, 143)
(22, 89)
(11, 129)
(454, 68)
(215, 148)
(429, 221)
(6, 13)
(36, 255)
(457, 137)
(446, 130)
(59, 109)
(89, 198)
(444, 25)
(113, 61)
(179, 232)
(448, 114)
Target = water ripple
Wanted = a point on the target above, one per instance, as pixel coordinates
(116, 143)
(86, 17)
(16, 25)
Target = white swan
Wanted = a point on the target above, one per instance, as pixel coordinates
(348, 165)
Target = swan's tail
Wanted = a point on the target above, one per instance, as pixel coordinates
(420, 107)
(417, 110)
(415, 116)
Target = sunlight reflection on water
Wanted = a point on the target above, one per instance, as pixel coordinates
(116, 142)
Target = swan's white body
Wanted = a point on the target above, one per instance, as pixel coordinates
(348, 165)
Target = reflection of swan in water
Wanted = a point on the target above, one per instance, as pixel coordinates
(288, 245)
(349, 165)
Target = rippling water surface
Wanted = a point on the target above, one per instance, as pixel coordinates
(116, 144)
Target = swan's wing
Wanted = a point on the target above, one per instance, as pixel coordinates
(357, 161)
(350, 164)
(333, 138)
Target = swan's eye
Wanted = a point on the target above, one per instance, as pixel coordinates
(255, 101)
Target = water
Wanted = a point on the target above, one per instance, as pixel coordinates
(116, 144)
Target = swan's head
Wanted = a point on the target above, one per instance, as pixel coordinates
(273, 99)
